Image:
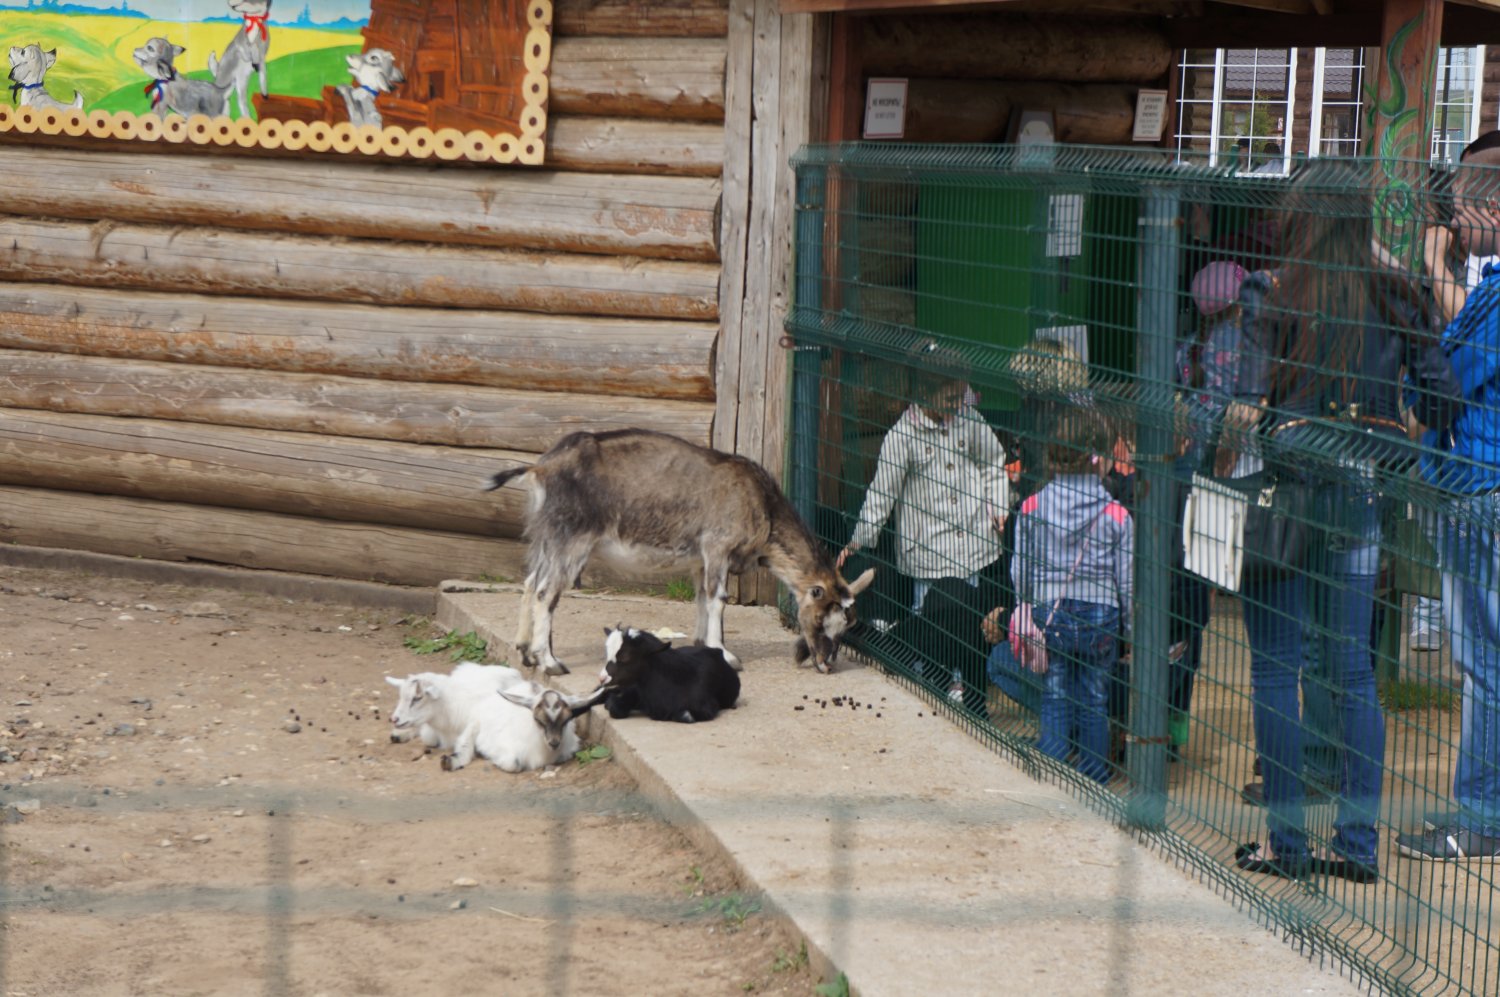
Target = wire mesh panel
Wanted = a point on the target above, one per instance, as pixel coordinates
(1182, 488)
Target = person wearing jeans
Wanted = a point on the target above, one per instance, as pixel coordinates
(1319, 390)
(1331, 603)
(1082, 650)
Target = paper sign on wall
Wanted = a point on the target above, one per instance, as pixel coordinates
(1150, 115)
(885, 108)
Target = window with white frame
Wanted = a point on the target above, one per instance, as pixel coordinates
(1338, 75)
(1234, 105)
(1455, 117)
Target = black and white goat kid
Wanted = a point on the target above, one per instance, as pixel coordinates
(685, 684)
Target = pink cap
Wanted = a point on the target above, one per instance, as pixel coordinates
(1217, 286)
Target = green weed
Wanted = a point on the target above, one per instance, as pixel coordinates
(596, 753)
(1404, 694)
(838, 988)
(790, 962)
(733, 909)
(464, 647)
(680, 590)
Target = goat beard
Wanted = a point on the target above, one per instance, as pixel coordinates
(828, 650)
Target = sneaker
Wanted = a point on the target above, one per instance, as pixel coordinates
(1448, 844)
(1424, 639)
(1434, 819)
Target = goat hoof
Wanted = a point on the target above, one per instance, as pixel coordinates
(447, 762)
(822, 666)
(556, 668)
(399, 738)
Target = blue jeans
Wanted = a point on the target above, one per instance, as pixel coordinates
(1329, 604)
(1082, 649)
(1015, 681)
(1471, 607)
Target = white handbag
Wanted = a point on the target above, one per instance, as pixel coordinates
(1213, 532)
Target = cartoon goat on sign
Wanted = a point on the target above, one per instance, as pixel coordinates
(642, 493)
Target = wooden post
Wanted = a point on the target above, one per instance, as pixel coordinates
(1398, 120)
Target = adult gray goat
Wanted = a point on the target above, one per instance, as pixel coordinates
(647, 495)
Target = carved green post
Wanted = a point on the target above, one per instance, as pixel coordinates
(1398, 120)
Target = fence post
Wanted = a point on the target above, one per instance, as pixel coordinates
(1156, 343)
(806, 359)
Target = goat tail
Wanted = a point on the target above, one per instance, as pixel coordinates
(505, 477)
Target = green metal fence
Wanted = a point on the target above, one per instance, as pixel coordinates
(1012, 367)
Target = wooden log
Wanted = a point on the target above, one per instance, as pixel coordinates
(638, 77)
(627, 145)
(175, 531)
(217, 261)
(980, 110)
(660, 217)
(657, 19)
(450, 415)
(493, 349)
(609, 145)
(301, 474)
(975, 46)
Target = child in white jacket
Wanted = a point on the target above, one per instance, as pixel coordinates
(942, 471)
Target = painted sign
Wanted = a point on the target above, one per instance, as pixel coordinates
(449, 79)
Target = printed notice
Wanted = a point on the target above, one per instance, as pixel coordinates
(885, 108)
(1150, 115)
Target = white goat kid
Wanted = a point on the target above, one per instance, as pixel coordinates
(433, 706)
(513, 722)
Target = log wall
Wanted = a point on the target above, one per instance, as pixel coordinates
(315, 365)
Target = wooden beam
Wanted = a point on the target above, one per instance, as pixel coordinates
(301, 474)
(660, 217)
(270, 265)
(739, 87)
(657, 19)
(179, 531)
(402, 411)
(638, 77)
(635, 145)
(1032, 48)
(455, 346)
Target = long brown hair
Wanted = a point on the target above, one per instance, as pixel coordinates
(1331, 285)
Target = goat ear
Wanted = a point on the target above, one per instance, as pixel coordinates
(393, 680)
(816, 592)
(862, 582)
(430, 689)
(607, 631)
(523, 699)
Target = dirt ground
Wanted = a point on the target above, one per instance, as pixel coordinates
(198, 795)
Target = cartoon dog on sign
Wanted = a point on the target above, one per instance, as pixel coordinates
(28, 66)
(169, 91)
(375, 72)
(245, 54)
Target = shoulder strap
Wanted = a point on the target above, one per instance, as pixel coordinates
(1088, 534)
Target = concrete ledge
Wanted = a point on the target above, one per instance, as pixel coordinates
(286, 585)
(909, 857)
